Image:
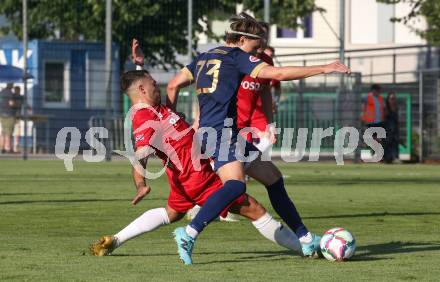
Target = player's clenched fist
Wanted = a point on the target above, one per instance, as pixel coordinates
(137, 55)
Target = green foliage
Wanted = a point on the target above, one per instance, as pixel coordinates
(161, 26)
(429, 9)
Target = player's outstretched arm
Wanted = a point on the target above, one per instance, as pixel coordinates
(180, 81)
(292, 73)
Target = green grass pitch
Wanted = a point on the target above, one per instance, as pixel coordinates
(48, 217)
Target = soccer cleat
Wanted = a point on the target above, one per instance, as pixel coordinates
(103, 247)
(185, 245)
(230, 217)
(193, 212)
(311, 249)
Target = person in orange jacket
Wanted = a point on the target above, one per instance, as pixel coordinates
(373, 108)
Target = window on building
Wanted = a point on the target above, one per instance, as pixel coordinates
(385, 28)
(370, 22)
(55, 84)
(306, 31)
(95, 85)
(286, 33)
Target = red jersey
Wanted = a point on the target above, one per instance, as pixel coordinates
(275, 83)
(171, 137)
(249, 104)
(163, 130)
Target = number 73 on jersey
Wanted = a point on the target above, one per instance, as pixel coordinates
(213, 69)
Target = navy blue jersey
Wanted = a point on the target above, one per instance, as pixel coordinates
(217, 75)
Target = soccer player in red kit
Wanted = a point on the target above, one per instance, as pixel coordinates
(254, 103)
(157, 128)
(275, 85)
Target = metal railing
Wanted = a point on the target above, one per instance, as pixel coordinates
(390, 58)
(116, 130)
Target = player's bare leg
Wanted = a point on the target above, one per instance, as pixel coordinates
(147, 222)
(232, 171)
(270, 176)
(264, 172)
(270, 228)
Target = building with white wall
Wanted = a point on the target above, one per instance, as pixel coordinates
(367, 25)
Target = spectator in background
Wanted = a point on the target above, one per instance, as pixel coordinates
(18, 100)
(18, 103)
(373, 108)
(7, 117)
(275, 85)
(392, 127)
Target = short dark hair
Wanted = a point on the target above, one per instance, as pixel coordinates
(265, 26)
(243, 23)
(130, 77)
(376, 87)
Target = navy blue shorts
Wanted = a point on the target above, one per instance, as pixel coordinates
(227, 149)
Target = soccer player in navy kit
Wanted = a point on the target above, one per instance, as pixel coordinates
(217, 75)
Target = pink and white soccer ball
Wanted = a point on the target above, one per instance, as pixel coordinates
(338, 244)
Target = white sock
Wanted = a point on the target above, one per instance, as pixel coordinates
(274, 231)
(191, 232)
(149, 221)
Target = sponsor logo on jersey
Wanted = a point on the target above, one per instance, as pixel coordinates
(253, 59)
(251, 85)
(139, 138)
(174, 118)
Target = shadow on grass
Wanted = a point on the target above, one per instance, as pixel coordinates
(374, 214)
(260, 253)
(248, 256)
(393, 248)
(144, 255)
(361, 181)
(47, 193)
(363, 253)
(266, 256)
(62, 201)
(242, 256)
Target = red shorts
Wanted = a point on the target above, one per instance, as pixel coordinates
(194, 187)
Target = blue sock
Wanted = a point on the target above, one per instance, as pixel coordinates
(285, 208)
(217, 202)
